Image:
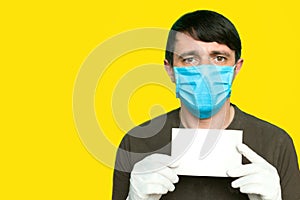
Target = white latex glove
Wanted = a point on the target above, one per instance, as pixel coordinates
(152, 177)
(259, 179)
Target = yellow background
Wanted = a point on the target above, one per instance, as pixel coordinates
(43, 45)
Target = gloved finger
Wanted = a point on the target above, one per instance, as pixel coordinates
(159, 179)
(245, 170)
(246, 180)
(251, 189)
(165, 160)
(169, 174)
(156, 189)
(250, 154)
(150, 164)
(175, 162)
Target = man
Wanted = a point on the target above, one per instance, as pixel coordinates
(202, 58)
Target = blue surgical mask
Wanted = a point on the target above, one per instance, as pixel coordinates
(203, 89)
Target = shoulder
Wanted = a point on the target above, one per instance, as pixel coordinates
(155, 125)
(267, 139)
(252, 123)
(152, 134)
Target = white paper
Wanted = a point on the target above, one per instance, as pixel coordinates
(206, 152)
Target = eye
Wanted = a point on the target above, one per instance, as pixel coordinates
(219, 59)
(190, 61)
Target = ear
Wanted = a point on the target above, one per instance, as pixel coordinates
(238, 66)
(169, 69)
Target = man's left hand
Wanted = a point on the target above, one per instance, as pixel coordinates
(259, 179)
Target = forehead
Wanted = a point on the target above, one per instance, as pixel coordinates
(185, 43)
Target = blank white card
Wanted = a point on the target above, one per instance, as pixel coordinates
(206, 152)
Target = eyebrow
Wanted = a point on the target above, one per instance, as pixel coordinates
(212, 53)
(220, 53)
(188, 53)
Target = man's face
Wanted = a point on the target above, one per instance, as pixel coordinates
(190, 52)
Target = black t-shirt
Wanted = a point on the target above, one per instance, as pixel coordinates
(154, 136)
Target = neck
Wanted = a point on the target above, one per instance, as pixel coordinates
(220, 120)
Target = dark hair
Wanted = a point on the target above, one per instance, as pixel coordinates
(207, 26)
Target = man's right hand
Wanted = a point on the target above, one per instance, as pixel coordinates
(152, 177)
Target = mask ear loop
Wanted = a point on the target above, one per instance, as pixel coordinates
(234, 67)
(233, 76)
